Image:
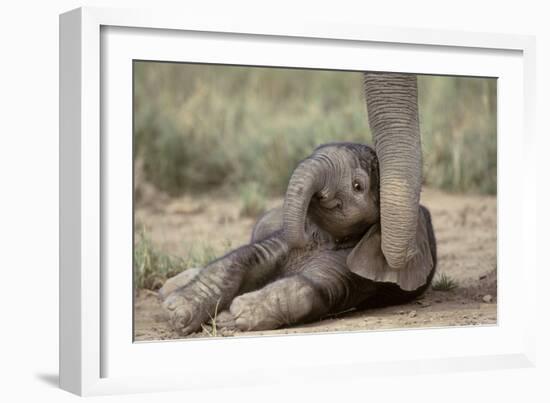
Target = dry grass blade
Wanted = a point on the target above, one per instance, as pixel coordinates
(444, 282)
(214, 332)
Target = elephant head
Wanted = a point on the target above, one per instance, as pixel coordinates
(333, 177)
(337, 188)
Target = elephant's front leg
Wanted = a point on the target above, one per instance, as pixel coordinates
(215, 286)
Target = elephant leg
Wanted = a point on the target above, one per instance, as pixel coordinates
(178, 281)
(215, 286)
(282, 303)
(324, 286)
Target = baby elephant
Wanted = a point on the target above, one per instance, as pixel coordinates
(319, 254)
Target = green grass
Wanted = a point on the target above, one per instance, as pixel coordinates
(153, 267)
(201, 254)
(205, 127)
(253, 200)
(458, 124)
(444, 282)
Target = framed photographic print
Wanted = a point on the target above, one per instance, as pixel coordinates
(254, 193)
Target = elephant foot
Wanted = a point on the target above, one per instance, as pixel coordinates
(186, 313)
(252, 312)
(244, 314)
(281, 303)
(226, 320)
(201, 299)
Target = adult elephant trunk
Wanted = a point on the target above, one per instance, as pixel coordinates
(308, 178)
(392, 104)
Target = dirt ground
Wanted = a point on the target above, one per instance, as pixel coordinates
(465, 229)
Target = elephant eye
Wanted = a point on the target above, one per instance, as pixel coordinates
(357, 186)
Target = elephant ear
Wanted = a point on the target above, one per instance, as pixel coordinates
(367, 260)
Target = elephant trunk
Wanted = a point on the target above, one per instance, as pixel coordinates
(393, 117)
(307, 179)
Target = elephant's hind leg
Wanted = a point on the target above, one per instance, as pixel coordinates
(324, 286)
(284, 302)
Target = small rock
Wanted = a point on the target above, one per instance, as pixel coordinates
(401, 312)
(412, 314)
(487, 298)
(438, 301)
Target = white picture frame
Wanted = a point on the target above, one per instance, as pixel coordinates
(96, 354)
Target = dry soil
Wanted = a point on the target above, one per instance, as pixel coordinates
(465, 228)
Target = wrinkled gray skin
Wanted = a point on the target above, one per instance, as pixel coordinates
(278, 280)
(268, 284)
(392, 105)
